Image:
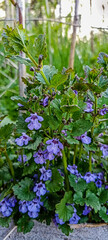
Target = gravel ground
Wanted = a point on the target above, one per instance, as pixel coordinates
(43, 232)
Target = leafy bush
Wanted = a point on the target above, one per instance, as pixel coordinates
(54, 157)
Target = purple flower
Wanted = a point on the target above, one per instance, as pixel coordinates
(23, 206)
(88, 107)
(12, 201)
(34, 120)
(101, 57)
(76, 92)
(49, 155)
(100, 176)
(24, 158)
(90, 177)
(40, 189)
(74, 219)
(33, 214)
(72, 169)
(106, 187)
(45, 174)
(86, 210)
(6, 206)
(104, 149)
(103, 111)
(20, 105)
(39, 157)
(58, 220)
(45, 102)
(34, 205)
(64, 133)
(98, 183)
(55, 146)
(85, 139)
(22, 140)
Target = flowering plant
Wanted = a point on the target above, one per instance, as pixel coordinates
(53, 163)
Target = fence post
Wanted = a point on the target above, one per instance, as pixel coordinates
(73, 41)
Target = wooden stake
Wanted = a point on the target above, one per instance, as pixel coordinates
(73, 42)
(20, 16)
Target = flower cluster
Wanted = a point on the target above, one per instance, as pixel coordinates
(22, 140)
(6, 206)
(54, 146)
(32, 207)
(34, 120)
(88, 177)
(84, 138)
(45, 174)
(88, 108)
(75, 218)
(104, 149)
(86, 210)
(57, 220)
(39, 189)
(103, 111)
(53, 149)
(39, 157)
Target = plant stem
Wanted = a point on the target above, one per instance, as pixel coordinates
(95, 105)
(47, 164)
(80, 151)
(90, 161)
(29, 55)
(65, 170)
(75, 152)
(10, 165)
(44, 77)
(92, 130)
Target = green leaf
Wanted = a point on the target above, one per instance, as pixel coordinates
(103, 82)
(29, 169)
(49, 71)
(15, 40)
(4, 221)
(24, 224)
(80, 86)
(65, 228)
(56, 183)
(22, 60)
(103, 196)
(21, 100)
(80, 127)
(21, 125)
(53, 123)
(50, 200)
(5, 192)
(5, 174)
(6, 131)
(22, 190)
(40, 46)
(78, 198)
(58, 79)
(94, 88)
(70, 108)
(55, 106)
(80, 185)
(34, 145)
(62, 209)
(103, 214)
(92, 200)
(71, 140)
(92, 187)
